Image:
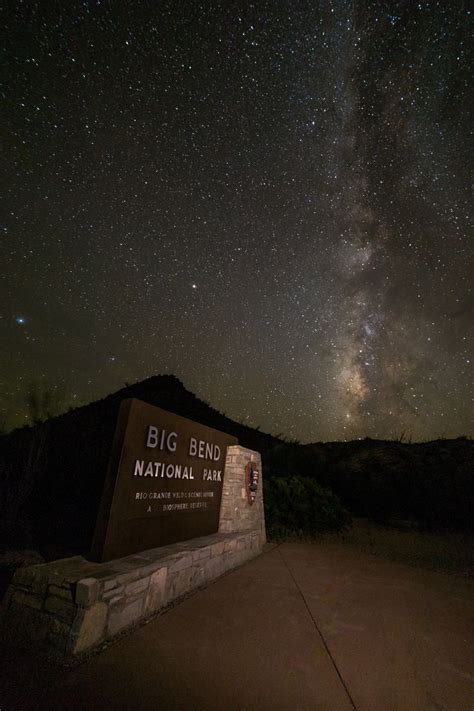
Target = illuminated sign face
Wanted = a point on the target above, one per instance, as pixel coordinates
(164, 481)
(251, 481)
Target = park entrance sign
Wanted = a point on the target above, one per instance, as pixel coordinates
(163, 484)
(181, 505)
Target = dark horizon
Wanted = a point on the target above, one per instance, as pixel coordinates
(403, 438)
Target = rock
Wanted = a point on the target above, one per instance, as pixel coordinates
(87, 591)
(89, 628)
(60, 608)
(123, 615)
(156, 596)
(19, 559)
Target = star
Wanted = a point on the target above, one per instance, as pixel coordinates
(306, 172)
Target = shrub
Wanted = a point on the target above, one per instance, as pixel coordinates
(299, 506)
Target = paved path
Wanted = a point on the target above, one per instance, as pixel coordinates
(305, 626)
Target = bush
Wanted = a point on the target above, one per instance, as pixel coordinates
(299, 506)
(430, 483)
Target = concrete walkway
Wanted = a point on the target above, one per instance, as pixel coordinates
(304, 626)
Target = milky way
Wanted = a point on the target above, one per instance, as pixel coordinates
(269, 200)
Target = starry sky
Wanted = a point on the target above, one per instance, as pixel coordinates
(270, 200)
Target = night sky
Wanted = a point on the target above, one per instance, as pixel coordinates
(270, 200)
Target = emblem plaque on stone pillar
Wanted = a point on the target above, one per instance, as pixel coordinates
(251, 481)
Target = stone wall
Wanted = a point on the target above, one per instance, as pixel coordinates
(72, 605)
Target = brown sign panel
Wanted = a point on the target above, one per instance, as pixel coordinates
(164, 482)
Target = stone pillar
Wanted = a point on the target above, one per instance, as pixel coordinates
(237, 514)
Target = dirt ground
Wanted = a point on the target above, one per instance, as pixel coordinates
(451, 553)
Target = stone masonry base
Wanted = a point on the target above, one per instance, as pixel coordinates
(70, 606)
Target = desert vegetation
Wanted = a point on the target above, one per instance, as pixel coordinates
(428, 486)
(297, 505)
